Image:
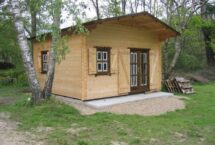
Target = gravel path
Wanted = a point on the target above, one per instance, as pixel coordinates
(147, 107)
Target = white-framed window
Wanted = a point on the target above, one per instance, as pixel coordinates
(103, 60)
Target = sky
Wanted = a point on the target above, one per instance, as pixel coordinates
(90, 14)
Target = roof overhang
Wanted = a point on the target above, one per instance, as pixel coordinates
(139, 20)
(142, 20)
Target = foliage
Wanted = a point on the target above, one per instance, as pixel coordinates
(62, 48)
(79, 28)
(13, 77)
(192, 54)
(209, 27)
(190, 126)
(112, 8)
(9, 51)
(188, 62)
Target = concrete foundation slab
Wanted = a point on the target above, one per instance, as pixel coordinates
(124, 99)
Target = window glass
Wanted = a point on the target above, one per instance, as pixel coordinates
(45, 57)
(99, 66)
(135, 80)
(99, 55)
(105, 68)
(44, 61)
(135, 57)
(145, 58)
(45, 67)
(103, 60)
(104, 55)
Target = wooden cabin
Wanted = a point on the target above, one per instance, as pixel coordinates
(119, 56)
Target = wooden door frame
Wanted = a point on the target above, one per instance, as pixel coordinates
(142, 89)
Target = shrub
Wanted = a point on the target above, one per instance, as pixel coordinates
(188, 62)
(22, 80)
(7, 81)
(13, 77)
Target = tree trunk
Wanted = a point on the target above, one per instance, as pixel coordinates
(33, 23)
(26, 53)
(144, 5)
(96, 6)
(176, 55)
(165, 60)
(97, 9)
(210, 54)
(33, 28)
(123, 6)
(52, 58)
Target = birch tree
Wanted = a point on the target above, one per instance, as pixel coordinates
(53, 10)
(37, 93)
(25, 51)
(56, 15)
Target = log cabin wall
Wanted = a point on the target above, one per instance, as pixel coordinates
(68, 75)
(120, 38)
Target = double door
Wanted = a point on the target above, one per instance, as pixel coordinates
(139, 70)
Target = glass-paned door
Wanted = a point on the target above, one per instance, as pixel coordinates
(139, 70)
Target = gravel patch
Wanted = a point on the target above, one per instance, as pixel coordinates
(147, 107)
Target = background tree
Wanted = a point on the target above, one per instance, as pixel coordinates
(9, 52)
(123, 5)
(179, 15)
(97, 9)
(111, 8)
(208, 30)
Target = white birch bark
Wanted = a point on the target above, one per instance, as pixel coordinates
(53, 51)
(25, 50)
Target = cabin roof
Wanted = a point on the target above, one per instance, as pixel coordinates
(138, 20)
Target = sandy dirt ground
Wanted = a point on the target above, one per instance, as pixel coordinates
(9, 135)
(147, 107)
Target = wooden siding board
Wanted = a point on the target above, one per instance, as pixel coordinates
(68, 75)
(72, 74)
(121, 38)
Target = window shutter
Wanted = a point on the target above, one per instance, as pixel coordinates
(113, 61)
(92, 60)
(39, 62)
(124, 71)
(154, 59)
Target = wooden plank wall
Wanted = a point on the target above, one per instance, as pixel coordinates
(120, 38)
(68, 75)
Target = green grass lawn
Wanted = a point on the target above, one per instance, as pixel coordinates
(191, 126)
